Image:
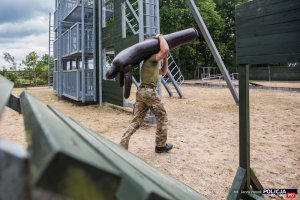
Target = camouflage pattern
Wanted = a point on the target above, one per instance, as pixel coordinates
(147, 98)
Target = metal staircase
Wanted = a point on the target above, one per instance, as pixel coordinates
(174, 77)
(131, 16)
(142, 17)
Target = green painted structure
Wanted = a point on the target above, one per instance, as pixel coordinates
(88, 34)
(267, 32)
(274, 73)
(113, 38)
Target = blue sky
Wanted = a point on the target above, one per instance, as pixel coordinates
(24, 27)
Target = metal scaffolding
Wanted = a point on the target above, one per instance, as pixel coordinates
(88, 34)
(73, 50)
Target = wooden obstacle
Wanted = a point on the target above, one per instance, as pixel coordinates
(267, 32)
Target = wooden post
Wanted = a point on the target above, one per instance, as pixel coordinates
(244, 121)
(244, 177)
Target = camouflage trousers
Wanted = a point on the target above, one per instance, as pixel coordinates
(147, 98)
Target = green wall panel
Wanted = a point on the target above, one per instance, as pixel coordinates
(112, 37)
(267, 31)
(275, 73)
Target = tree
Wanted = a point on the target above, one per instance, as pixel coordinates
(35, 66)
(45, 59)
(175, 16)
(10, 59)
(219, 17)
(227, 12)
(10, 75)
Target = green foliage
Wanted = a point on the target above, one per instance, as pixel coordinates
(10, 59)
(35, 73)
(36, 67)
(196, 54)
(12, 76)
(218, 16)
(226, 10)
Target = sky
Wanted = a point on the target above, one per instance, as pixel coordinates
(24, 26)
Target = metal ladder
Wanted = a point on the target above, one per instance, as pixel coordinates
(149, 25)
(131, 16)
(173, 76)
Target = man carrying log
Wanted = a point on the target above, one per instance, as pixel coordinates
(148, 98)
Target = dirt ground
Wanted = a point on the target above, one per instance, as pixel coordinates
(204, 129)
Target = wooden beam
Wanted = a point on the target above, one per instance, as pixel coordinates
(238, 184)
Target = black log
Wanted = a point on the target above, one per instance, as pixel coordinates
(140, 51)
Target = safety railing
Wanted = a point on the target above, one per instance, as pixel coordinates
(89, 84)
(75, 40)
(66, 43)
(55, 81)
(69, 5)
(72, 84)
(55, 19)
(55, 48)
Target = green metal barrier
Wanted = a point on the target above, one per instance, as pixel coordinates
(139, 179)
(14, 171)
(69, 161)
(61, 144)
(61, 161)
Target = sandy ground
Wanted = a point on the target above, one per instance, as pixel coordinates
(204, 130)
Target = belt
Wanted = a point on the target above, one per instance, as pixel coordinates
(147, 87)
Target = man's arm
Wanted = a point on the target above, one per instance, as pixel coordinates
(163, 70)
(164, 48)
(162, 54)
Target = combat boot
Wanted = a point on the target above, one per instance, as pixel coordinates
(164, 149)
(124, 144)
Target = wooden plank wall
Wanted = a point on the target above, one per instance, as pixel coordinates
(112, 37)
(268, 31)
(273, 73)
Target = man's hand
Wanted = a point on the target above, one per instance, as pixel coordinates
(157, 36)
(164, 47)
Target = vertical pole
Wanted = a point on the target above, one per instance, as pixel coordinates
(157, 21)
(49, 43)
(141, 26)
(100, 51)
(147, 18)
(123, 19)
(157, 24)
(83, 51)
(59, 51)
(96, 50)
(212, 48)
(244, 122)
(269, 70)
(141, 20)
